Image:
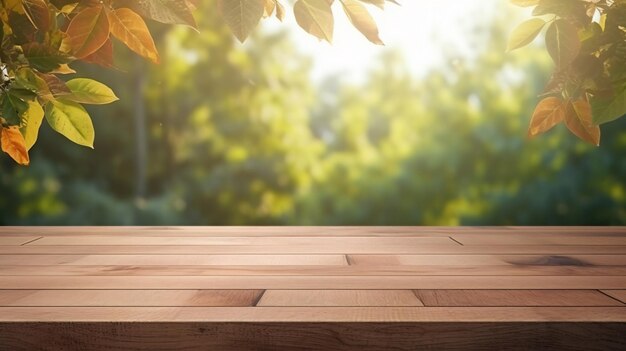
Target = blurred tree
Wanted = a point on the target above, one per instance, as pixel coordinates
(239, 135)
(227, 135)
(451, 149)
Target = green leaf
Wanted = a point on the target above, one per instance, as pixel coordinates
(32, 119)
(241, 15)
(315, 17)
(44, 58)
(525, 33)
(562, 42)
(607, 110)
(89, 91)
(14, 104)
(27, 79)
(71, 120)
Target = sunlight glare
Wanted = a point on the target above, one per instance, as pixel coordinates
(425, 31)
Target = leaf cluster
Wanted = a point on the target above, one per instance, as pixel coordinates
(314, 16)
(40, 38)
(586, 39)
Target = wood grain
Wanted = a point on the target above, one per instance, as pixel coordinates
(494, 298)
(172, 260)
(463, 260)
(313, 282)
(529, 239)
(338, 298)
(313, 314)
(143, 298)
(233, 231)
(342, 336)
(314, 249)
(16, 240)
(230, 241)
(617, 294)
(306, 270)
(311, 288)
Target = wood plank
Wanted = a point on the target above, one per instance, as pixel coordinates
(494, 298)
(516, 260)
(315, 270)
(8, 296)
(313, 314)
(544, 239)
(232, 231)
(313, 282)
(225, 241)
(617, 294)
(331, 336)
(315, 249)
(302, 230)
(586, 230)
(338, 298)
(132, 298)
(172, 260)
(16, 240)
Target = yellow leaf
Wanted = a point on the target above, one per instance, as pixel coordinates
(71, 120)
(69, 8)
(88, 31)
(362, 20)
(578, 119)
(32, 119)
(63, 69)
(269, 7)
(15, 6)
(315, 17)
(130, 29)
(549, 112)
(280, 11)
(89, 91)
(525, 33)
(14, 145)
(241, 15)
(378, 3)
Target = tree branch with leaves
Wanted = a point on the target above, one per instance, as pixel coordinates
(587, 42)
(40, 39)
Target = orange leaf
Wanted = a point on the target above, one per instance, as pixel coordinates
(130, 28)
(88, 31)
(38, 13)
(578, 119)
(102, 57)
(13, 144)
(548, 113)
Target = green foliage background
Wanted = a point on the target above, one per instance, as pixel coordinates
(242, 136)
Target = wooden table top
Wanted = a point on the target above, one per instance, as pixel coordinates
(312, 274)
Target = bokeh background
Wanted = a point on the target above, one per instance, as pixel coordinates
(428, 130)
